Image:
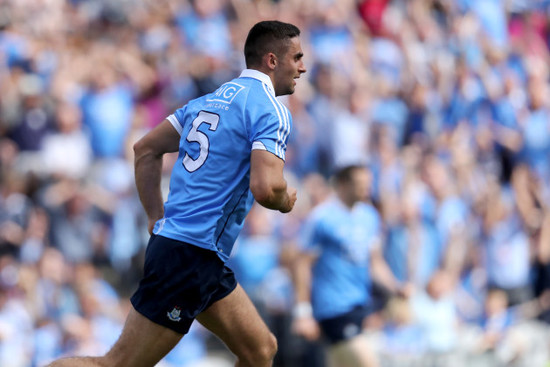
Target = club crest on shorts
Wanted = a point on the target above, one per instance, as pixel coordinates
(174, 315)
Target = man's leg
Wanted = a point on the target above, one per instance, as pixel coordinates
(141, 344)
(236, 322)
(355, 352)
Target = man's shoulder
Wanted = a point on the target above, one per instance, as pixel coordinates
(248, 95)
(230, 91)
(230, 97)
(325, 210)
(368, 210)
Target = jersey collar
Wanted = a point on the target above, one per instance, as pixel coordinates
(264, 78)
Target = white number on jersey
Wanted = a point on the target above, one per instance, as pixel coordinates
(196, 136)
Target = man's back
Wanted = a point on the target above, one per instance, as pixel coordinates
(221, 164)
(209, 189)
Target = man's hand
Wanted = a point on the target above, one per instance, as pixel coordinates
(151, 224)
(291, 192)
(307, 327)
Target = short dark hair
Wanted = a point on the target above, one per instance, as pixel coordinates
(267, 36)
(343, 174)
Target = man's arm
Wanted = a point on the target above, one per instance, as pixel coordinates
(383, 274)
(148, 152)
(303, 323)
(267, 182)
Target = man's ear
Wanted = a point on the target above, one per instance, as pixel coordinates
(270, 59)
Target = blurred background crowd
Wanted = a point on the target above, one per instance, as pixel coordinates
(446, 101)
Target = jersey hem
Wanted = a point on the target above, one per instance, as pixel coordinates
(192, 242)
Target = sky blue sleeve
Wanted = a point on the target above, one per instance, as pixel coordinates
(177, 119)
(270, 132)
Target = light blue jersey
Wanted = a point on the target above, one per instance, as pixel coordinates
(343, 239)
(209, 188)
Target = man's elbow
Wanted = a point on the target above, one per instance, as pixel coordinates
(266, 194)
(261, 192)
(138, 147)
(142, 149)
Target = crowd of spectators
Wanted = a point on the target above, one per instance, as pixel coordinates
(446, 101)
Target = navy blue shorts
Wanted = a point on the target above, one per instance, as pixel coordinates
(345, 326)
(179, 282)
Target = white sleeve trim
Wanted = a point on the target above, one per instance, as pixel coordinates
(257, 145)
(174, 121)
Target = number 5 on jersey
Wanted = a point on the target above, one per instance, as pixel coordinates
(196, 136)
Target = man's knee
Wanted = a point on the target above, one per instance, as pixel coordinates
(271, 347)
(268, 349)
(262, 354)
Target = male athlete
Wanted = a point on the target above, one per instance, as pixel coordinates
(333, 273)
(231, 147)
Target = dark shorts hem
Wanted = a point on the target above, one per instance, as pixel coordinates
(345, 326)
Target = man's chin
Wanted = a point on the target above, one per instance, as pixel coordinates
(287, 92)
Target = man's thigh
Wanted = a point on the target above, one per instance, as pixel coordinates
(354, 352)
(235, 320)
(142, 343)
